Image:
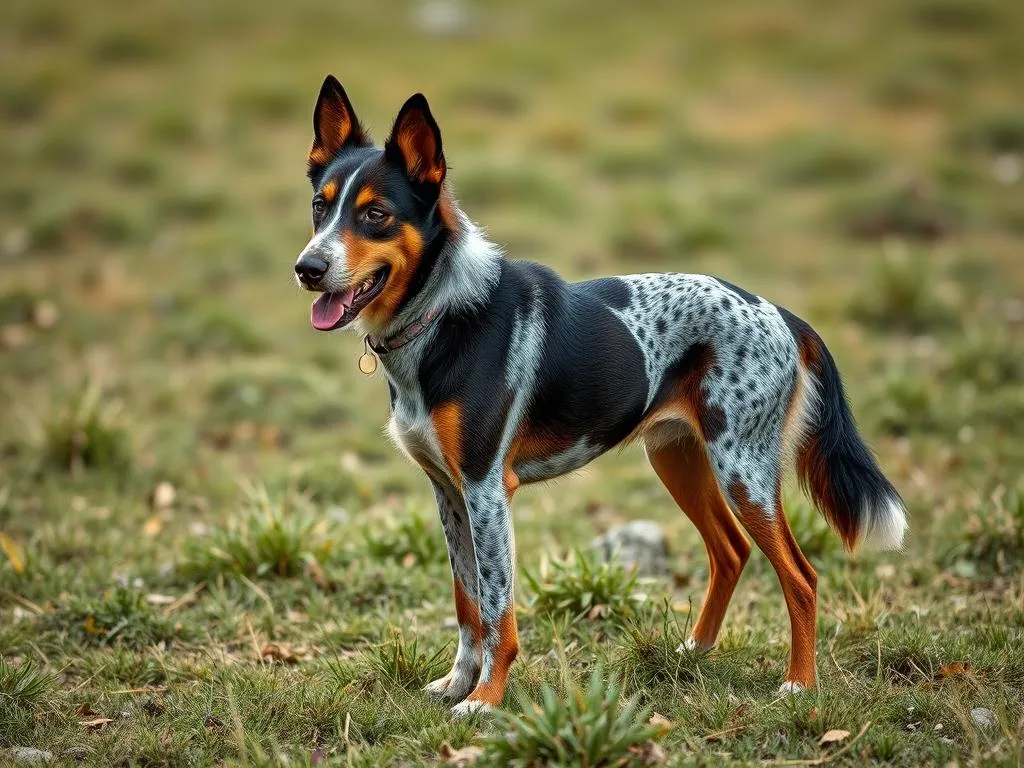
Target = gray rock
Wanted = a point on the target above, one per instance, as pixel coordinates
(640, 543)
(30, 755)
(984, 718)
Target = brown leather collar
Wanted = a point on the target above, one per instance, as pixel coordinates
(404, 336)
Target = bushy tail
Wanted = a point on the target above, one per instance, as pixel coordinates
(835, 466)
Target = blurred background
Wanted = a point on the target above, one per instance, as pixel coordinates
(861, 163)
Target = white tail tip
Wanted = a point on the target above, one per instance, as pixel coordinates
(885, 526)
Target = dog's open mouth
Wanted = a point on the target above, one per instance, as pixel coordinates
(339, 308)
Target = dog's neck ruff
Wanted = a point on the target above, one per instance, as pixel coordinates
(404, 336)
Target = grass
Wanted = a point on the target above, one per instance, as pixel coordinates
(582, 586)
(586, 727)
(859, 166)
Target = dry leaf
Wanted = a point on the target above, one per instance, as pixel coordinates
(464, 756)
(954, 670)
(155, 599)
(318, 574)
(648, 754)
(84, 710)
(96, 723)
(409, 560)
(834, 737)
(662, 723)
(13, 553)
(152, 526)
(90, 626)
(283, 653)
(597, 612)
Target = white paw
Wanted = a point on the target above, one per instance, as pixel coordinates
(689, 645)
(454, 686)
(790, 688)
(466, 708)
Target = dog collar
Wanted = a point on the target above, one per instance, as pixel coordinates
(368, 363)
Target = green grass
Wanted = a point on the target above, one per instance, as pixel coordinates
(854, 163)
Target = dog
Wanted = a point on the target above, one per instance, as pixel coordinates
(500, 373)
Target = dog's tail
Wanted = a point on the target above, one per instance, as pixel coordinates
(835, 466)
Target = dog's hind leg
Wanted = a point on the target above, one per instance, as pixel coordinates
(455, 520)
(760, 511)
(684, 470)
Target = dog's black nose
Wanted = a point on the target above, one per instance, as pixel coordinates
(310, 268)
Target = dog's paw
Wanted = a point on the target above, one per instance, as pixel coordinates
(690, 645)
(439, 688)
(790, 688)
(451, 687)
(469, 707)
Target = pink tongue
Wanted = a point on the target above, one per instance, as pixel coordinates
(329, 308)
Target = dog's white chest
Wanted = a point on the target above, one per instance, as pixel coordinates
(412, 430)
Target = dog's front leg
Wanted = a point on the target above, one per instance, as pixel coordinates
(455, 521)
(494, 545)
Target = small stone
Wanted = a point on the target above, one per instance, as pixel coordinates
(443, 18)
(45, 314)
(163, 495)
(30, 755)
(15, 244)
(984, 718)
(640, 543)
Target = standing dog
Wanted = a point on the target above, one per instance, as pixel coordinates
(501, 373)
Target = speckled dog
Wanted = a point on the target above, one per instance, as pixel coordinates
(500, 373)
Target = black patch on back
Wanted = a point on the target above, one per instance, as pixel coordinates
(591, 381)
(610, 291)
(744, 294)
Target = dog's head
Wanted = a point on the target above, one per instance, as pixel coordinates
(377, 213)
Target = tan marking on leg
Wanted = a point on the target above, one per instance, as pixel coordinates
(492, 690)
(467, 611)
(447, 420)
(685, 471)
(798, 579)
(511, 482)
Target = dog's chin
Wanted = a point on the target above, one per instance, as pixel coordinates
(336, 309)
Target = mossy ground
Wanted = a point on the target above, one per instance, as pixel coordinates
(859, 163)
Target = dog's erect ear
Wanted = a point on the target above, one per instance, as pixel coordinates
(415, 143)
(334, 124)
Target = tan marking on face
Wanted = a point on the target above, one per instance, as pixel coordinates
(366, 196)
(330, 190)
(402, 254)
(447, 420)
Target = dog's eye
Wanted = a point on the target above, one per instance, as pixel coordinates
(375, 215)
(319, 206)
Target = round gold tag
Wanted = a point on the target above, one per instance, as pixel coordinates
(367, 363)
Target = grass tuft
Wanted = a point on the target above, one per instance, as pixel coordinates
(591, 727)
(992, 541)
(22, 685)
(581, 585)
(413, 536)
(401, 663)
(87, 435)
(119, 616)
(806, 160)
(901, 294)
(270, 536)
